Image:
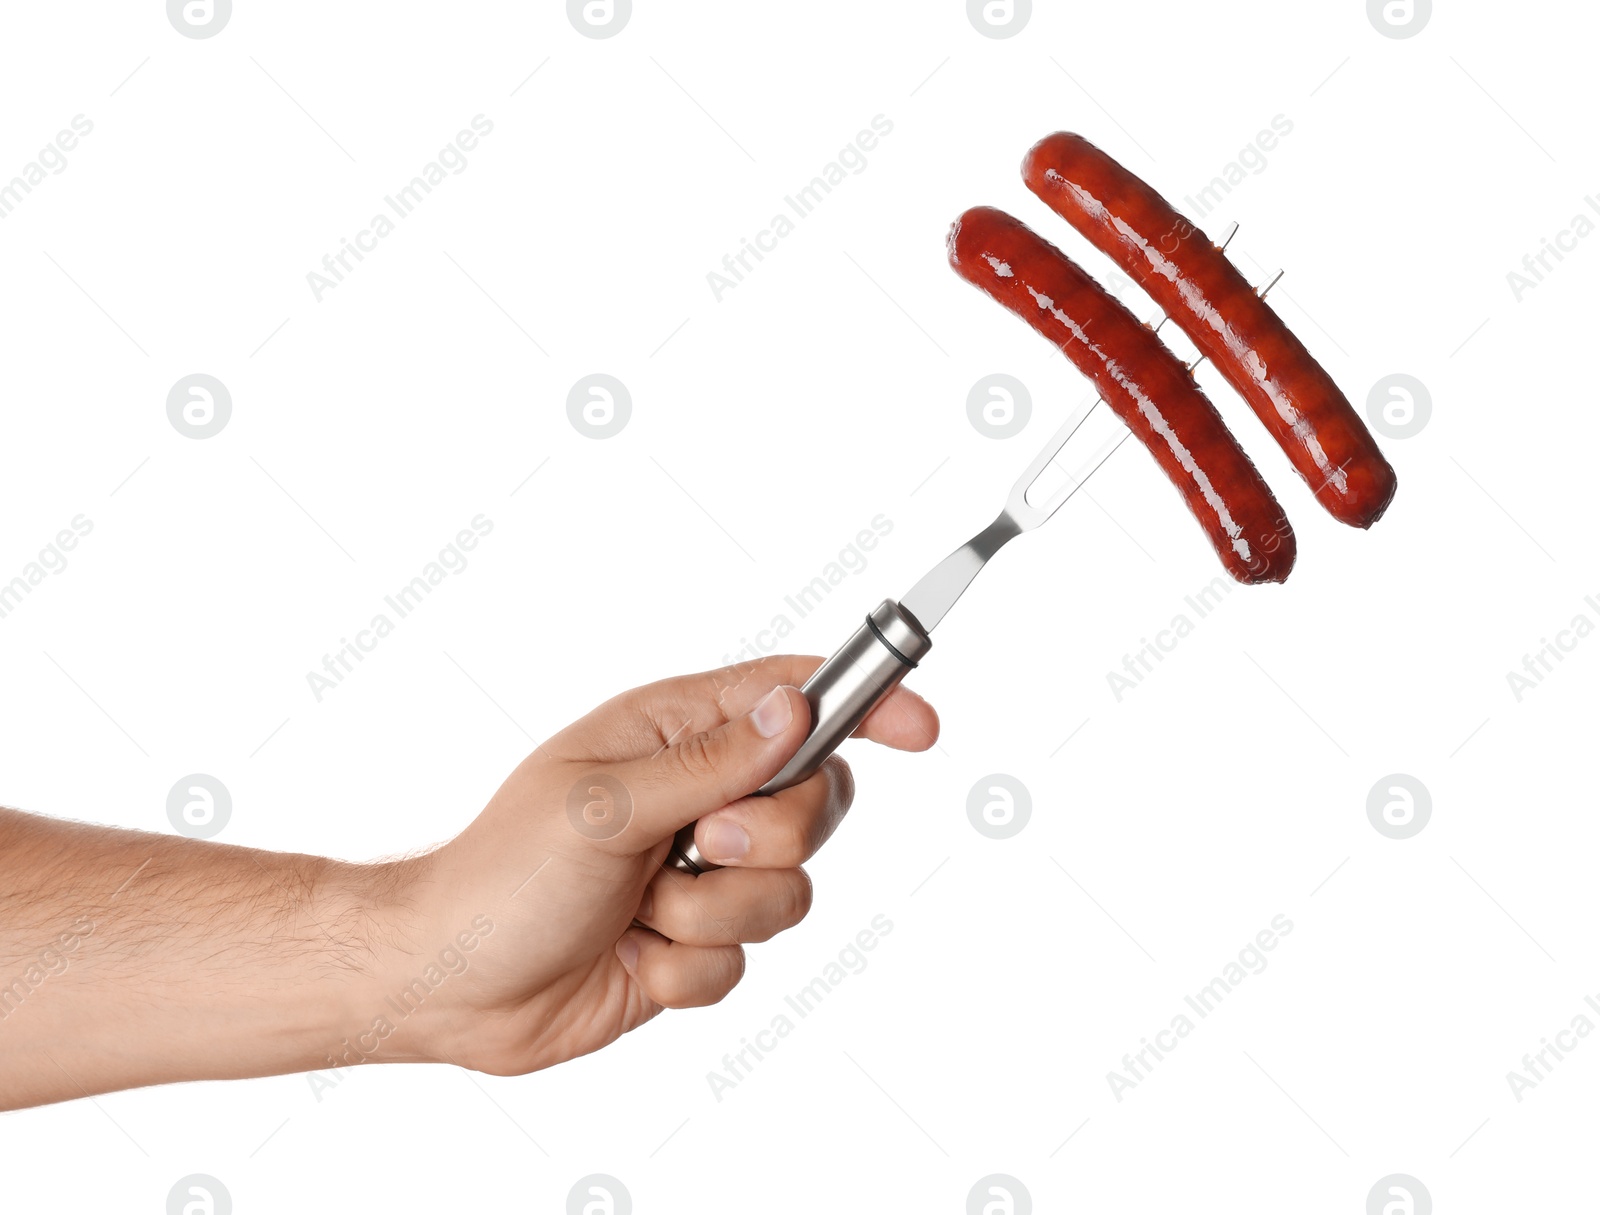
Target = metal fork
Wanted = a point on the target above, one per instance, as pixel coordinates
(895, 637)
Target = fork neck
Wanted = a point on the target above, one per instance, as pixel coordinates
(989, 541)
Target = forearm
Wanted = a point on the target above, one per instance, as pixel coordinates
(130, 959)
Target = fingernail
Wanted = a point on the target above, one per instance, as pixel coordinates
(725, 841)
(773, 714)
(628, 953)
(646, 904)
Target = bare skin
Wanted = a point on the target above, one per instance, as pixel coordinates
(544, 931)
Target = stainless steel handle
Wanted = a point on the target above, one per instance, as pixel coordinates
(841, 693)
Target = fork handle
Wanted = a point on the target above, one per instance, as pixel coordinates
(841, 692)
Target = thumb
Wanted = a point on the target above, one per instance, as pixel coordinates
(699, 773)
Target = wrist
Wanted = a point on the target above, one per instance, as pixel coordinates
(415, 949)
(298, 1005)
(376, 929)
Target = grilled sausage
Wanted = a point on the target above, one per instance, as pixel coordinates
(1233, 326)
(1143, 381)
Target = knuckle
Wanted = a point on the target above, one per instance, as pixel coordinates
(782, 911)
(802, 834)
(703, 928)
(796, 840)
(672, 990)
(699, 756)
(844, 787)
(700, 986)
(758, 924)
(733, 919)
(735, 972)
(801, 897)
(664, 915)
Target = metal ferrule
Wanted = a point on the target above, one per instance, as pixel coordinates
(844, 689)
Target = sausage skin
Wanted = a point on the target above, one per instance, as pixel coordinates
(1199, 288)
(1143, 381)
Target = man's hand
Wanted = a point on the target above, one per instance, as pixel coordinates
(569, 853)
(546, 930)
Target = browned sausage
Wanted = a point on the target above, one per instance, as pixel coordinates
(1140, 379)
(1210, 300)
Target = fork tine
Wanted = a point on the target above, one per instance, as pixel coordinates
(1028, 515)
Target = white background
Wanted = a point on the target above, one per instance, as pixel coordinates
(767, 430)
